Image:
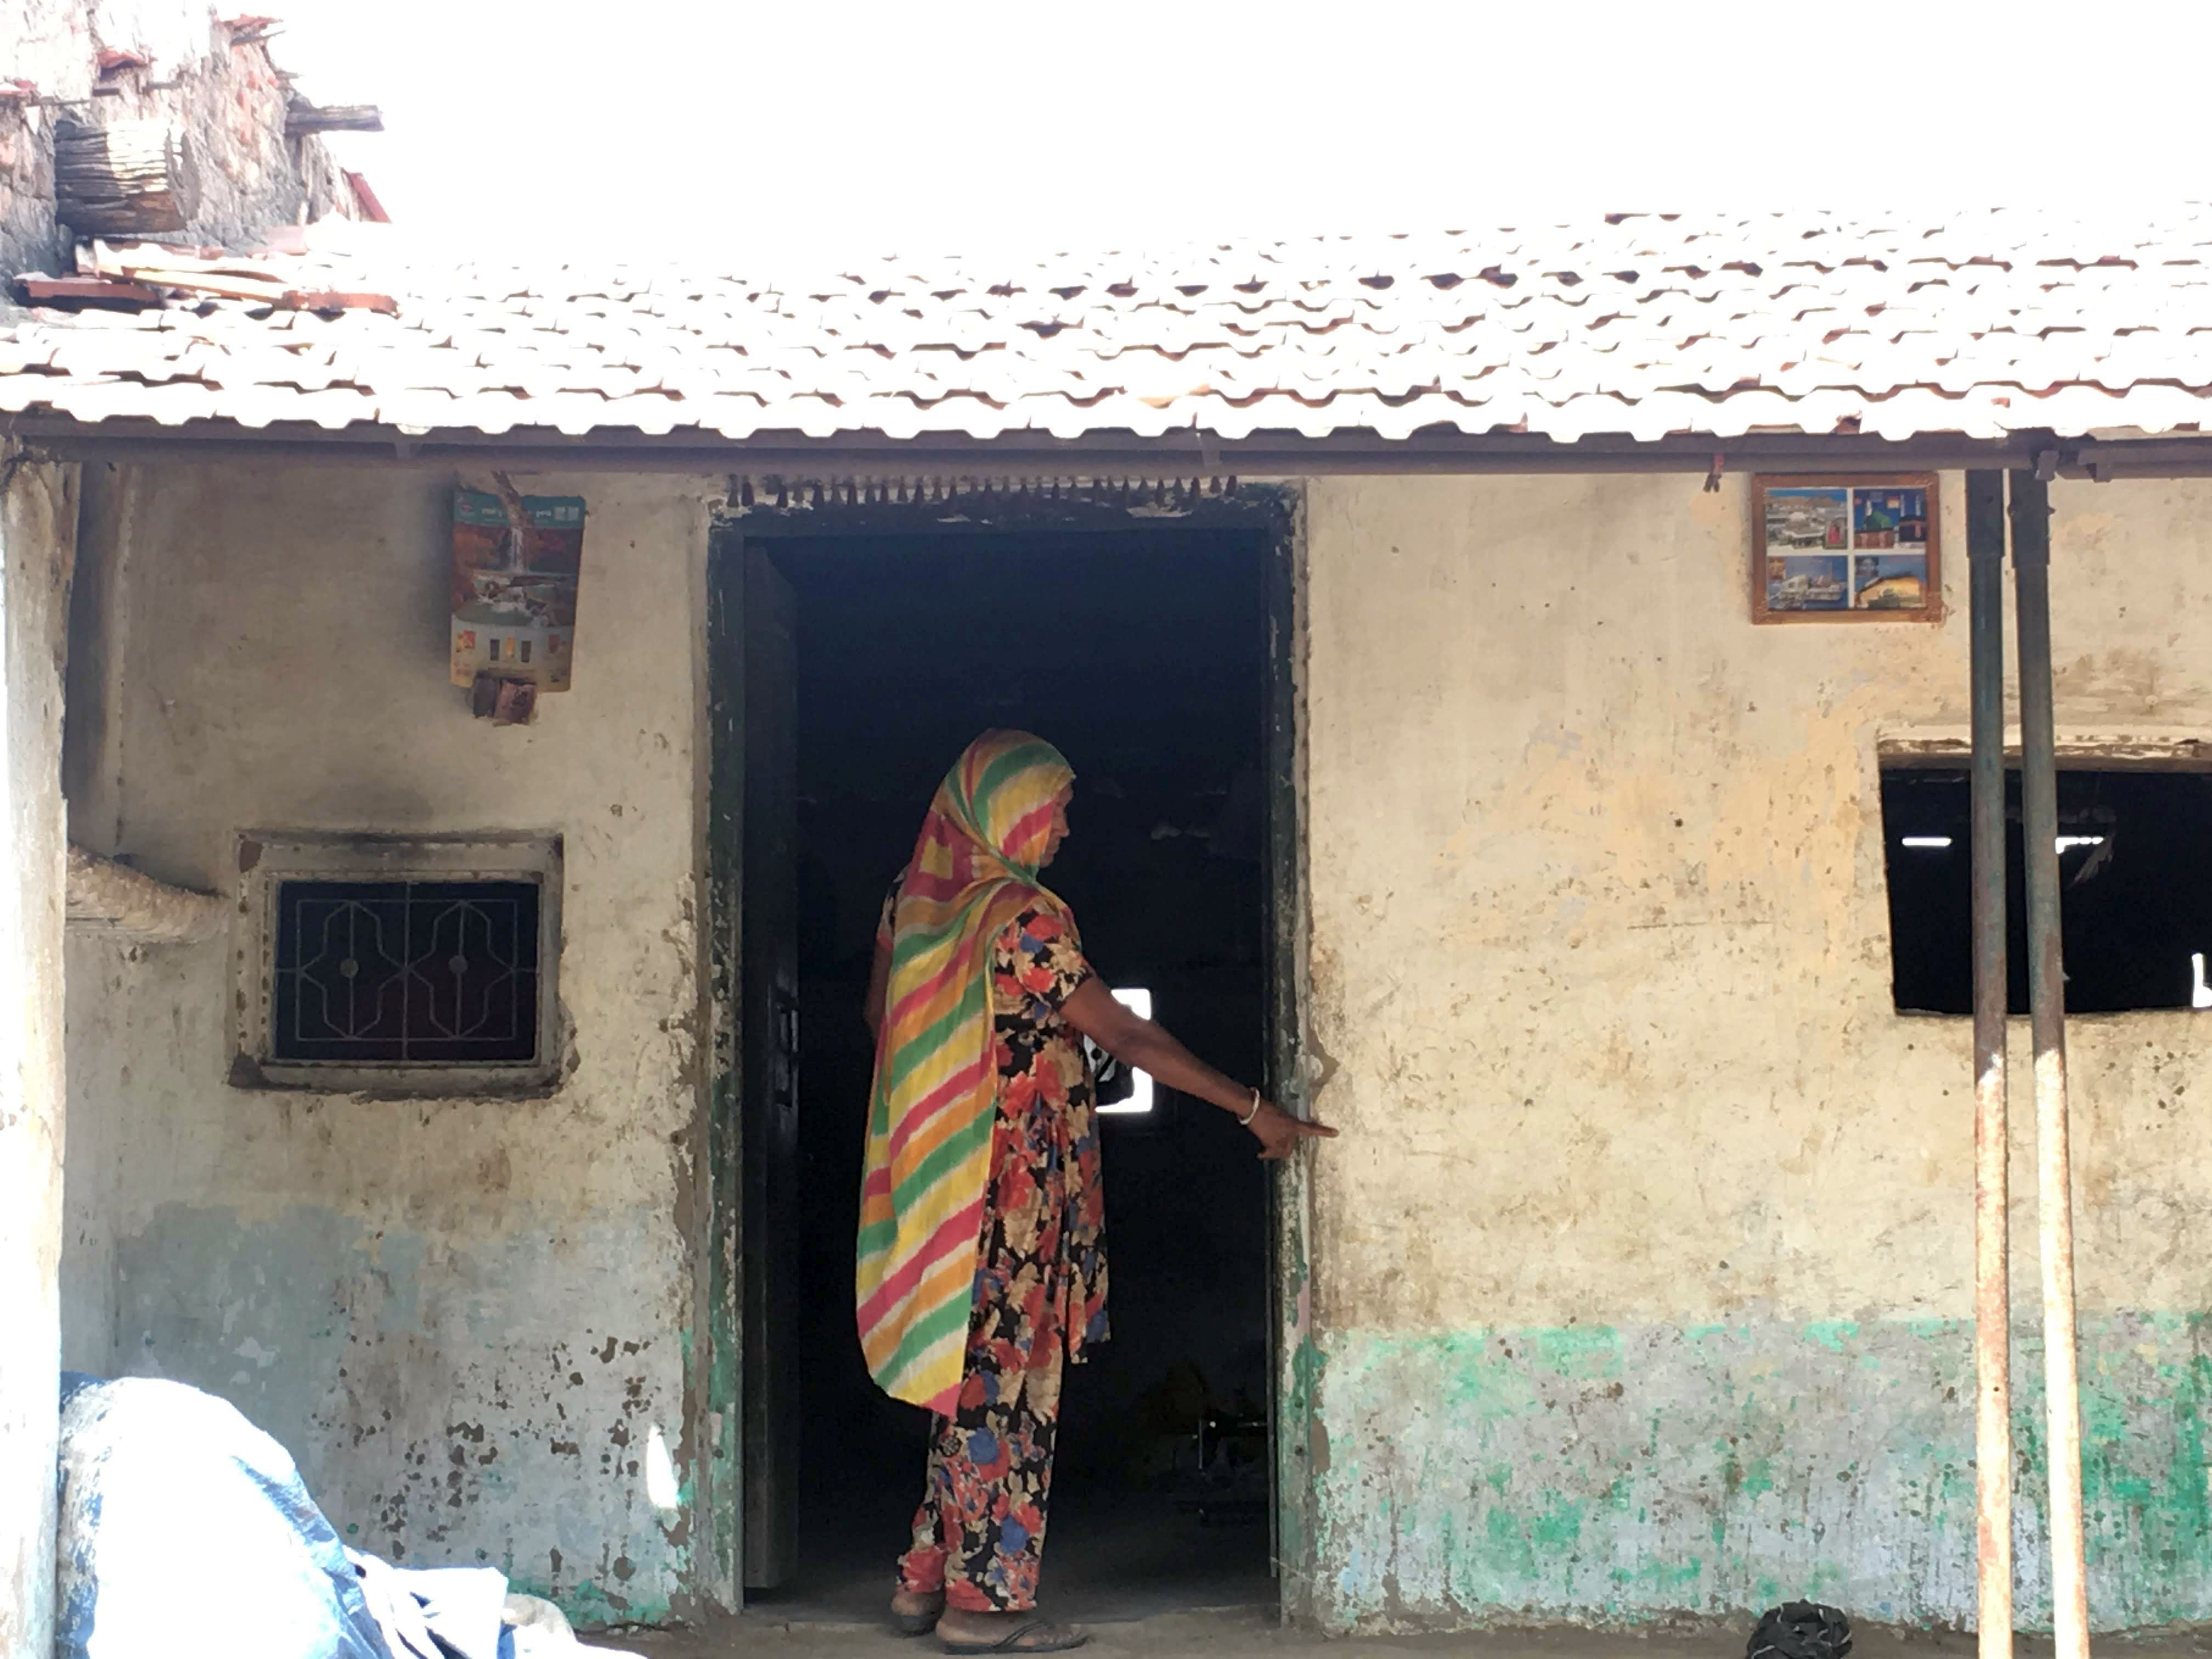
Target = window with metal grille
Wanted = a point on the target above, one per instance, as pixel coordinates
(405, 973)
(417, 965)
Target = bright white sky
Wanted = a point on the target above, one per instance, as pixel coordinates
(830, 127)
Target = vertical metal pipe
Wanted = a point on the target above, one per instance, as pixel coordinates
(1985, 545)
(2046, 980)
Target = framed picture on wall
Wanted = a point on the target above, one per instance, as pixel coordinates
(1845, 549)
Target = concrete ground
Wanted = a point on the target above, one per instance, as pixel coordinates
(1250, 1635)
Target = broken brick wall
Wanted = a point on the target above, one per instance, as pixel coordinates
(214, 80)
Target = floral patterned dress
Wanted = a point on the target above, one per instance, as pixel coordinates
(1040, 1286)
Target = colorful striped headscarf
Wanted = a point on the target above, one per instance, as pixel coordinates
(928, 1162)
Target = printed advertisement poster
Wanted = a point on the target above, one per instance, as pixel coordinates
(514, 587)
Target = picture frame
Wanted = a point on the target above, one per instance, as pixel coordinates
(1846, 547)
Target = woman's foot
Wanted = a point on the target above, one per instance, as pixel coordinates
(963, 1631)
(915, 1612)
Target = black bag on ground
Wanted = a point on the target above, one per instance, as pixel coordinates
(1801, 1630)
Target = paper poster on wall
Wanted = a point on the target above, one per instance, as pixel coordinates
(514, 587)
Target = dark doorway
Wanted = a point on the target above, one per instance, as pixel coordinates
(1145, 655)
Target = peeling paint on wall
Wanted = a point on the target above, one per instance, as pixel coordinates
(1638, 1279)
(38, 540)
(466, 1318)
(1642, 1269)
(1614, 1475)
(537, 1466)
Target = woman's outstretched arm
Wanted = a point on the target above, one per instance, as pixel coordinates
(1144, 1045)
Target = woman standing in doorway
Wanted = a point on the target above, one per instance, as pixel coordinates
(982, 1268)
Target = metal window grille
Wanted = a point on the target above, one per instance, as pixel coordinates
(405, 973)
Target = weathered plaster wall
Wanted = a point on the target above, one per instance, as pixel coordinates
(468, 1319)
(1643, 1278)
(37, 531)
(219, 87)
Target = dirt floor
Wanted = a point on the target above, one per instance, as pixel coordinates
(1250, 1635)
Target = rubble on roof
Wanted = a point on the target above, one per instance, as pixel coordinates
(137, 275)
(111, 131)
(210, 272)
(1644, 327)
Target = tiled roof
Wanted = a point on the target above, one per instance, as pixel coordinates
(1645, 326)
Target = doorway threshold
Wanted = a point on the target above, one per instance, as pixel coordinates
(1109, 1558)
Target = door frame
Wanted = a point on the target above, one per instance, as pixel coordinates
(783, 508)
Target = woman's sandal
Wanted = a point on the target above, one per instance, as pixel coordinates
(920, 1623)
(1036, 1636)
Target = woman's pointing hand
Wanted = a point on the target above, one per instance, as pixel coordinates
(1279, 1132)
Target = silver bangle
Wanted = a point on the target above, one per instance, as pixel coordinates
(1245, 1122)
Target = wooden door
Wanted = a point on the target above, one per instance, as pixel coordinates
(767, 996)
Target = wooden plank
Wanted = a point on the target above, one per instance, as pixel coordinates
(263, 289)
(97, 256)
(84, 290)
(129, 177)
(301, 118)
(341, 300)
(365, 196)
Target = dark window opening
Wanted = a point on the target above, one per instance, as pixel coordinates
(399, 973)
(2134, 890)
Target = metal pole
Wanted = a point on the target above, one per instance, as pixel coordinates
(2046, 979)
(1985, 545)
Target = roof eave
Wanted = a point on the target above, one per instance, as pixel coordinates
(1350, 451)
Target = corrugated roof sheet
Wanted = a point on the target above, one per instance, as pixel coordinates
(1977, 324)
